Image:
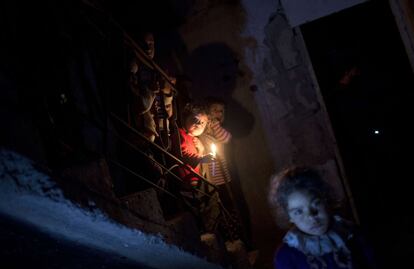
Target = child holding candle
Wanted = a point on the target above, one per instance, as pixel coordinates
(215, 137)
(193, 151)
(216, 171)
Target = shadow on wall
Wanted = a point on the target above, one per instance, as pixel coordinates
(213, 69)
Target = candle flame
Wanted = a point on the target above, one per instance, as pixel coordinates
(213, 149)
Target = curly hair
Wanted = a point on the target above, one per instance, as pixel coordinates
(211, 100)
(293, 179)
(193, 109)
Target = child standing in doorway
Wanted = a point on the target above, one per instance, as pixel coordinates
(317, 238)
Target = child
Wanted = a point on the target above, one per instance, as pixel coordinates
(317, 239)
(216, 171)
(193, 152)
(144, 89)
(163, 112)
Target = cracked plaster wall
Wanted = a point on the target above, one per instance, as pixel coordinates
(273, 87)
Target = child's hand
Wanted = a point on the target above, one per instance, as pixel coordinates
(199, 146)
(214, 121)
(207, 158)
(211, 122)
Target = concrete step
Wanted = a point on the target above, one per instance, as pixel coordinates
(238, 256)
(214, 249)
(185, 233)
(145, 203)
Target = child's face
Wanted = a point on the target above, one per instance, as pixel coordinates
(308, 213)
(216, 111)
(168, 105)
(149, 40)
(195, 125)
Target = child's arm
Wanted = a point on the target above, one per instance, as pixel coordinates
(219, 133)
(190, 155)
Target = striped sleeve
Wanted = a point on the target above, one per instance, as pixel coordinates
(219, 133)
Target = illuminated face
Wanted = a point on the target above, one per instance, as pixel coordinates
(216, 111)
(195, 126)
(134, 67)
(168, 105)
(168, 96)
(149, 40)
(308, 213)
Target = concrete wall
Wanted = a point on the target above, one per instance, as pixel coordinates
(292, 112)
(258, 63)
(302, 11)
(403, 11)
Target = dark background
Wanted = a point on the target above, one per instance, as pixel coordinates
(371, 117)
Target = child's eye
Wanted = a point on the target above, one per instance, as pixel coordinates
(196, 121)
(297, 212)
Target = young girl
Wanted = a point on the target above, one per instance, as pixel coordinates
(216, 171)
(193, 152)
(317, 238)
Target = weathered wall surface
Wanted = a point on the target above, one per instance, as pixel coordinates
(256, 61)
(302, 11)
(293, 115)
(216, 33)
(404, 17)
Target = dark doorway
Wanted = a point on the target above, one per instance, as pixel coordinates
(366, 82)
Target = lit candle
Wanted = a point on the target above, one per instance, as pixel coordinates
(213, 153)
(213, 150)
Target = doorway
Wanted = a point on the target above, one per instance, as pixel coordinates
(366, 82)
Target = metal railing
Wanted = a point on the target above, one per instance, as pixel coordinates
(146, 60)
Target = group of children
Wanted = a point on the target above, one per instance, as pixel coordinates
(193, 133)
(203, 140)
(303, 201)
(318, 238)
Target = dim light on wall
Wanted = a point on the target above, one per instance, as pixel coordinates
(213, 150)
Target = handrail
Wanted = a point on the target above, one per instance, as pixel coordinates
(139, 52)
(150, 63)
(162, 150)
(224, 210)
(142, 178)
(144, 58)
(168, 170)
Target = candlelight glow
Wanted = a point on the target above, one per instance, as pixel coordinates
(213, 149)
